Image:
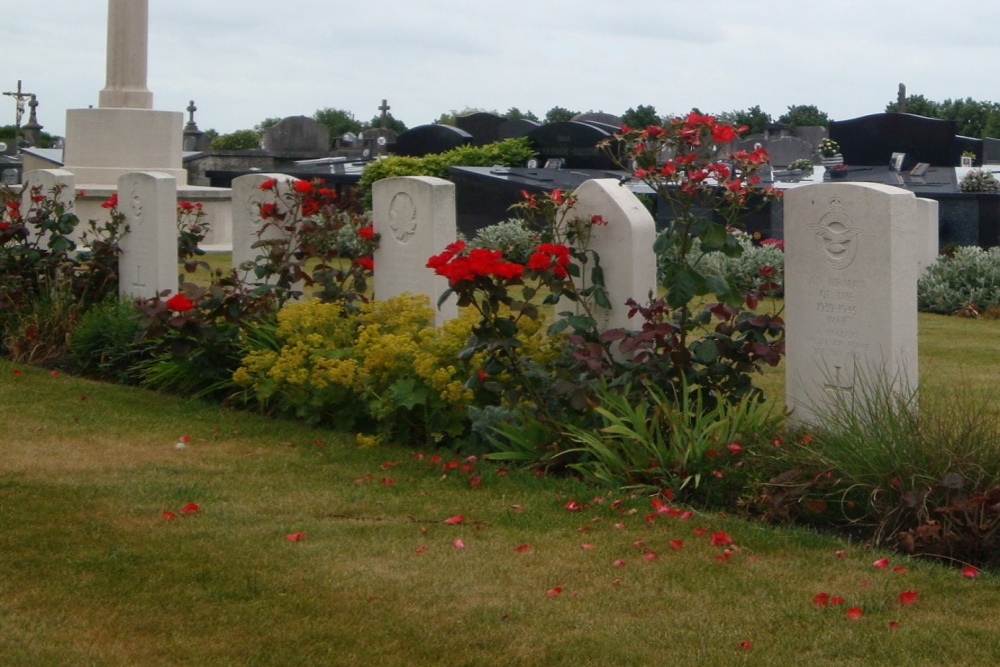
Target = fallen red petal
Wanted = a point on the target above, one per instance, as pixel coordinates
(295, 537)
(881, 562)
(821, 600)
(169, 516)
(190, 508)
(894, 625)
(552, 592)
(458, 544)
(618, 563)
(970, 572)
(676, 544)
(746, 645)
(521, 548)
(421, 549)
(854, 613)
(587, 547)
(908, 597)
(452, 520)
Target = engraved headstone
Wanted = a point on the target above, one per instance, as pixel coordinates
(624, 242)
(148, 261)
(297, 134)
(47, 182)
(248, 225)
(415, 218)
(850, 294)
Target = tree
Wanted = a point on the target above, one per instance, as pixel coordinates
(7, 136)
(640, 117)
(514, 113)
(266, 123)
(240, 140)
(559, 114)
(804, 115)
(448, 118)
(391, 123)
(918, 105)
(338, 120)
(755, 119)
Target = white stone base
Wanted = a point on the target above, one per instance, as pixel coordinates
(104, 144)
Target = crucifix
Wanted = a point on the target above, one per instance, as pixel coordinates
(384, 121)
(19, 97)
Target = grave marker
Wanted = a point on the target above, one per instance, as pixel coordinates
(850, 292)
(247, 222)
(148, 261)
(415, 217)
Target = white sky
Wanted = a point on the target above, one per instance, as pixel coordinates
(246, 60)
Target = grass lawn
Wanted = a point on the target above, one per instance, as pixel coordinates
(93, 573)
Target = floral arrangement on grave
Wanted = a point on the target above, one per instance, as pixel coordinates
(979, 180)
(839, 171)
(828, 147)
(802, 164)
(686, 343)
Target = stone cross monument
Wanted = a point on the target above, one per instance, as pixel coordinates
(124, 134)
(128, 36)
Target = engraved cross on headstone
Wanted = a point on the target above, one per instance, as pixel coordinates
(838, 384)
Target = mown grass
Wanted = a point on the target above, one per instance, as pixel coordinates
(93, 573)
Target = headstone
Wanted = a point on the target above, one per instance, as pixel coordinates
(574, 142)
(430, 140)
(415, 218)
(786, 150)
(483, 126)
(512, 129)
(871, 140)
(991, 151)
(48, 181)
(377, 141)
(600, 117)
(297, 134)
(624, 244)
(927, 246)
(248, 226)
(148, 261)
(811, 133)
(850, 294)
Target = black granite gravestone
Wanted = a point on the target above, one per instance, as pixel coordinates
(574, 142)
(871, 140)
(430, 139)
(521, 127)
(483, 126)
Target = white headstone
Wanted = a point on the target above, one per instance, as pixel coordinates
(148, 261)
(928, 231)
(850, 293)
(624, 245)
(47, 181)
(415, 217)
(248, 226)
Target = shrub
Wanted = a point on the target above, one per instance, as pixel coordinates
(927, 482)
(511, 237)
(509, 152)
(758, 267)
(967, 277)
(384, 367)
(104, 344)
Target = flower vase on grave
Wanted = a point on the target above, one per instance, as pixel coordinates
(831, 160)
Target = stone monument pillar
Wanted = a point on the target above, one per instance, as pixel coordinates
(128, 36)
(124, 134)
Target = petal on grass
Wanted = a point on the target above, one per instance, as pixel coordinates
(452, 520)
(554, 591)
(970, 572)
(190, 508)
(908, 597)
(855, 613)
(821, 600)
(522, 548)
(458, 544)
(881, 562)
(169, 516)
(295, 537)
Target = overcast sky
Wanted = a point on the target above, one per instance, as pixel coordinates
(246, 60)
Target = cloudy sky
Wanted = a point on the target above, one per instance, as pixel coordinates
(246, 60)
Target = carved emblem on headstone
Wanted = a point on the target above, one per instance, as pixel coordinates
(402, 217)
(836, 236)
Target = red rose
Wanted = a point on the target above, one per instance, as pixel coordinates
(366, 233)
(366, 263)
(268, 184)
(179, 303)
(303, 187)
(110, 202)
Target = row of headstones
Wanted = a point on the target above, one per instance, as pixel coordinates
(853, 253)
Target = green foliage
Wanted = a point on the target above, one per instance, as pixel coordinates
(804, 115)
(759, 267)
(753, 118)
(7, 133)
(514, 113)
(391, 123)
(509, 152)
(559, 114)
(47, 283)
(641, 116)
(926, 480)
(511, 237)
(104, 344)
(240, 140)
(384, 368)
(338, 121)
(662, 443)
(967, 277)
(972, 118)
(448, 118)
(264, 124)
